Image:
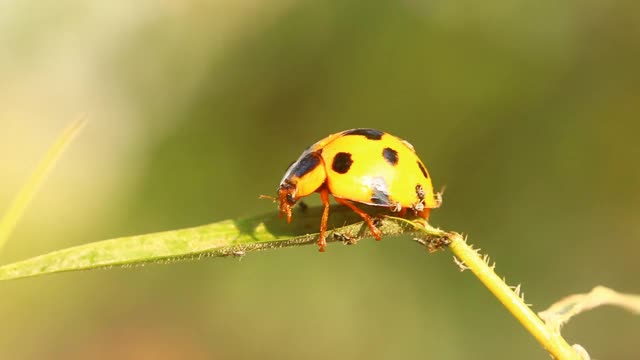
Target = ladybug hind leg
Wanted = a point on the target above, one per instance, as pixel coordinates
(322, 241)
(374, 230)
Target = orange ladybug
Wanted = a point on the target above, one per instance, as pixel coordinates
(364, 166)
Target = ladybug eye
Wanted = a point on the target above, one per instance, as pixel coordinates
(290, 199)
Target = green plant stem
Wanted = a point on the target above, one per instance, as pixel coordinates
(552, 341)
(30, 188)
(224, 238)
(469, 258)
(238, 237)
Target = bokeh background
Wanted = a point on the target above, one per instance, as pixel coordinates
(526, 110)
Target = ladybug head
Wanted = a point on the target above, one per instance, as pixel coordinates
(286, 198)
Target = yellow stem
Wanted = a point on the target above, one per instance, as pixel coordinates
(552, 341)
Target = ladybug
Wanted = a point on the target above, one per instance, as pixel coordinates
(365, 166)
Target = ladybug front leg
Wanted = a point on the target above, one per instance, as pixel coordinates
(324, 196)
(374, 230)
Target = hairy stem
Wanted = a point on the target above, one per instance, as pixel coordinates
(469, 258)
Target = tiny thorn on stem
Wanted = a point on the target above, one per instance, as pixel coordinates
(460, 264)
(582, 352)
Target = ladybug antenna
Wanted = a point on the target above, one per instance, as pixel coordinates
(273, 199)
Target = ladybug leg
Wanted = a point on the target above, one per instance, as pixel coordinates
(322, 241)
(374, 230)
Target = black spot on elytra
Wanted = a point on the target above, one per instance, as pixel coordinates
(371, 134)
(306, 165)
(390, 155)
(342, 162)
(422, 168)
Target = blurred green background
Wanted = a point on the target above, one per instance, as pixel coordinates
(526, 111)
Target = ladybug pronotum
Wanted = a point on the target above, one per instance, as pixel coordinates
(364, 166)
